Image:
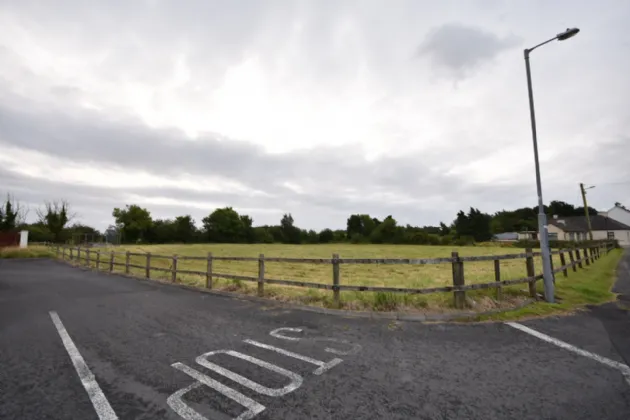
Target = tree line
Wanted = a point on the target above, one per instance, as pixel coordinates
(135, 224)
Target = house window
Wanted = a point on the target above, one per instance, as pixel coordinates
(571, 236)
(553, 235)
(611, 235)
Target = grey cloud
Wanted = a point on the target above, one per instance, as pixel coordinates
(336, 181)
(95, 204)
(91, 138)
(324, 173)
(461, 48)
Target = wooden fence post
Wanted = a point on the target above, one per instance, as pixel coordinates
(459, 296)
(497, 278)
(578, 257)
(57, 252)
(111, 262)
(98, 260)
(553, 275)
(174, 270)
(63, 253)
(336, 275)
(127, 263)
(147, 270)
(563, 261)
(261, 275)
(71, 256)
(79, 255)
(209, 272)
(87, 258)
(531, 272)
(585, 253)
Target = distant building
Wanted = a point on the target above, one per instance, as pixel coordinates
(575, 228)
(528, 235)
(506, 237)
(525, 235)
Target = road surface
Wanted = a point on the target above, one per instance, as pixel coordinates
(84, 345)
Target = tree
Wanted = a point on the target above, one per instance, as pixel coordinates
(262, 235)
(11, 215)
(55, 216)
(475, 225)
(225, 226)
(579, 211)
(248, 230)
(385, 232)
(162, 231)
(361, 224)
(184, 229)
(326, 236)
(444, 230)
(134, 222)
(290, 232)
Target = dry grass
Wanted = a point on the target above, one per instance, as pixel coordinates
(410, 276)
(30, 252)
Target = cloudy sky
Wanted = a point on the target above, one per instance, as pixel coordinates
(320, 108)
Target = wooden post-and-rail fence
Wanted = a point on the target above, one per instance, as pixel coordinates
(577, 258)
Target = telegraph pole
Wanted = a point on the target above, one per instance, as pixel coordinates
(588, 216)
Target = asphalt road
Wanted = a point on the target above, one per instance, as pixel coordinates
(140, 348)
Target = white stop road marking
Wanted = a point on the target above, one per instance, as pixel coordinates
(252, 408)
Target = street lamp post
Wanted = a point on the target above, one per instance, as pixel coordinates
(542, 218)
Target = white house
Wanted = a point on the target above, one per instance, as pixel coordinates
(575, 228)
(619, 213)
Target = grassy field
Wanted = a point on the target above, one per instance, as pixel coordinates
(411, 276)
(30, 252)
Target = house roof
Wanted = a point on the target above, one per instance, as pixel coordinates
(579, 223)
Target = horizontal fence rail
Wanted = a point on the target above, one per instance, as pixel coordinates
(577, 258)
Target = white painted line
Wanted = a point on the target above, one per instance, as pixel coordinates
(323, 366)
(355, 347)
(624, 369)
(276, 333)
(253, 408)
(100, 403)
(178, 406)
(354, 350)
(296, 380)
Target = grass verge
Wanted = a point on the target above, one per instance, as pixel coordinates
(589, 286)
(30, 252)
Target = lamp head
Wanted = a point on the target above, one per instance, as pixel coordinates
(570, 32)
